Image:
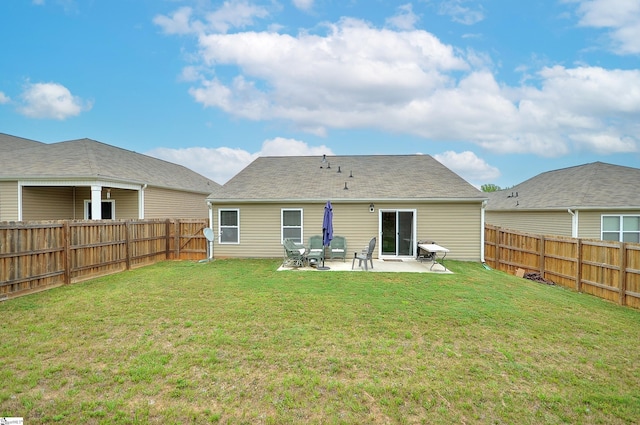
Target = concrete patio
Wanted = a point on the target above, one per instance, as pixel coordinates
(387, 266)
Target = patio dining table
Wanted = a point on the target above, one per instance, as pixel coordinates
(433, 252)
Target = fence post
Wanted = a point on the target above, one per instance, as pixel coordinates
(622, 284)
(579, 266)
(178, 238)
(127, 241)
(168, 240)
(66, 242)
(498, 240)
(542, 256)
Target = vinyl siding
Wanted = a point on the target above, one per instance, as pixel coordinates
(455, 226)
(543, 222)
(47, 203)
(589, 222)
(126, 202)
(166, 203)
(84, 194)
(8, 201)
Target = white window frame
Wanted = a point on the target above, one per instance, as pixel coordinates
(282, 226)
(87, 208)
(620, 232)
(221, 227)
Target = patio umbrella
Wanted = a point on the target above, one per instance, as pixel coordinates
(327, 230)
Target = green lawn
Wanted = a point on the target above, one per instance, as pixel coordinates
(235, 342)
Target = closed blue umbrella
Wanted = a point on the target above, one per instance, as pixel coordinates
(327, 229)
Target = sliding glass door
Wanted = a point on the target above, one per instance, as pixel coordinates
(397, 230)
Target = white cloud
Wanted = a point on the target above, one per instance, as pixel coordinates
(303, 4)
(235, 14)
(291, 147)
(218, 164)
(231, 14)
(620, 17)
(179, 22)
(4, 98)
(605, 142)
(461, 14)
(343, 79)
(405, 19)
(51, 100)
(468, 166)
(190, 74)
(355, 75)
(221, 164)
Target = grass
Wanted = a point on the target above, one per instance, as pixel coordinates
(235, 342)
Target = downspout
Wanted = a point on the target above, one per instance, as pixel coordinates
(574, 223)
(484, 204)
(210, 205)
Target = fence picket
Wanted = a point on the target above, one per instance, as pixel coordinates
(36, 256)
(609, 270)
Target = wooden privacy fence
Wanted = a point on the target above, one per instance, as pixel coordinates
(35, 256)
(606, 269)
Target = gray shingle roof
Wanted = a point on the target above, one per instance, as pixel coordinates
(89, 159)
(10, 143)
(594, 185)
(377, 177)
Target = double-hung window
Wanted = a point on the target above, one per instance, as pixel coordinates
(623, 228)
(291, 225)
(229, 230)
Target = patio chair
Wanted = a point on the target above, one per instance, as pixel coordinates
(294, 254)
(338, 247)
(365, 255)
(316, 250)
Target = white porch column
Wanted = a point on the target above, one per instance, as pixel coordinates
(141, 202)
(96, 202)
(574, 223)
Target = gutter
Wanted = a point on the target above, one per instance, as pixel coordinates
(115, 182)
(340, 200)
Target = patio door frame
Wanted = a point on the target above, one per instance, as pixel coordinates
(414, 221)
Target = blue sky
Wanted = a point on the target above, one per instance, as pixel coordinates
(497, 90)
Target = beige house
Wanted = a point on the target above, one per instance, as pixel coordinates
(398, 199)
(593, 201)
(85, 179)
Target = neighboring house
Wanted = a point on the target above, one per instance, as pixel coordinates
(85, 179)
(399, 199)
(593, 201)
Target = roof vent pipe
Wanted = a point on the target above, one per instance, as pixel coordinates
(350, 173)
(340, 171)
(345, 186)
